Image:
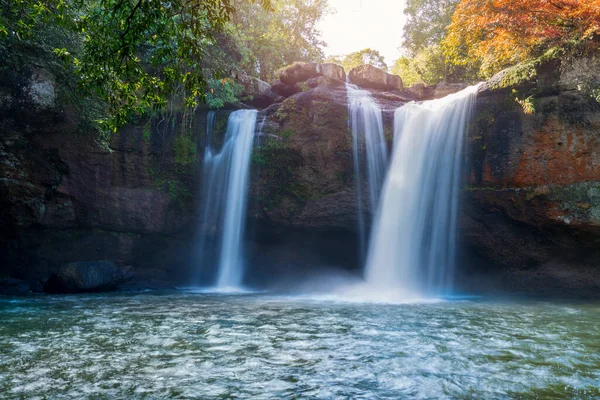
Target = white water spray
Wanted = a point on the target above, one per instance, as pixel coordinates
(370, 152)
(226, 192)
(413, 242)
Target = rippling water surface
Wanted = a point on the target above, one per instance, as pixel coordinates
(190, 345)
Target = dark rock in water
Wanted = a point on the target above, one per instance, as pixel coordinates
(87, 276)
(13, 287)
(368, 76)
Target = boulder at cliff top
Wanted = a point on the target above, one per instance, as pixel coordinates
(333, 71)
(90, 276)
(368, 76)
(298, 72)
(301, 72)
(260, 92)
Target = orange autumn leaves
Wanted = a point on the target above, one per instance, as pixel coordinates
(497, 33)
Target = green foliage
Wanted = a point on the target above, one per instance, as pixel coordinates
(26, 44)
(428, 66)
(288, 107)
(269, 41)
(184, 148)
(426, 23)
(177, 191)
(595, 93)
(132, 54)
(168, 183)
(517, 75)
(409, 70)
(222, 91)
(523, 72)
(146, 133)
(425, 60)
(527, 104)
(431, 66)
(358, 58)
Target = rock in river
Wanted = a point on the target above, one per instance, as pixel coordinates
(87, 276)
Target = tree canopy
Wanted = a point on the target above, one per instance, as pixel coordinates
(365, 56)
(275, 39)
(499, 33)
(141, 55)
(131, 53)
(426, 23)
(425, 60)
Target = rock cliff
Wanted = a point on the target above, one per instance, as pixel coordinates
(532, 201)
(530, 219)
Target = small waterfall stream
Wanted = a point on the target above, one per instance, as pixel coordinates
(412, 247)
(369, 152)
(226, 174)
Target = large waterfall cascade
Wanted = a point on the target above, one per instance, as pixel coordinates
(369, 152)
(226, 176)
(413, 241)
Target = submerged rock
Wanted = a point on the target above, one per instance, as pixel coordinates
(87, 276)
(368, 76)
(13, 287)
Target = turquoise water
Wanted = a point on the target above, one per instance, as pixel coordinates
(191, 345)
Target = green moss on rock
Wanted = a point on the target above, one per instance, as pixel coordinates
(525, 72)
(184, 149)
(582, 198)
(286, 110)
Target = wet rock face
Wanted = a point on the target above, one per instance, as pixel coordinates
(530, 218)
(532, 202)
(41, 91)
(304, 159)
(64, 196)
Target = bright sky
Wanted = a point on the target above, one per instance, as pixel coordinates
(356, 24)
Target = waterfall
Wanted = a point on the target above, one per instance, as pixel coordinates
(370, 152)
(226, 174)
(413, 241)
